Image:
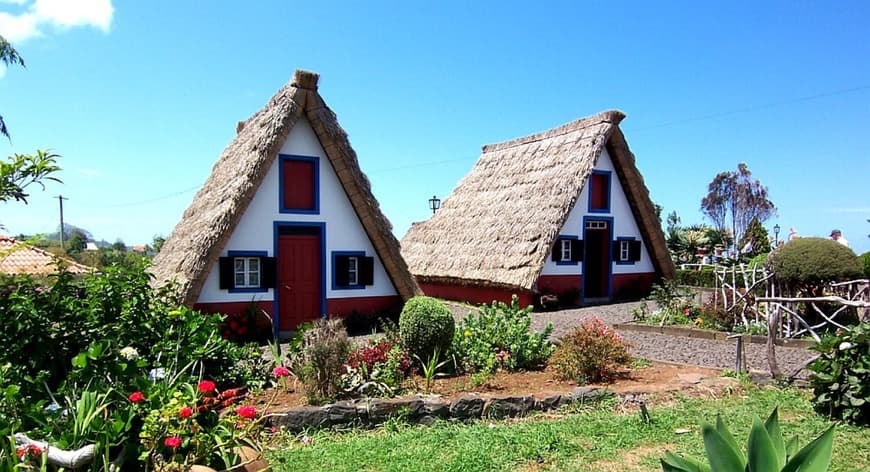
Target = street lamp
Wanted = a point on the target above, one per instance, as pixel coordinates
(434, 204)
(776, 229)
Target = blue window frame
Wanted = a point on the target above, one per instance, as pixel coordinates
(626, 250)
(568, 250)
(286, 186)
(600, 184)
(346, 270)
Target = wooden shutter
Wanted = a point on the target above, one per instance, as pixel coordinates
(366, 270)
(576, 250)
(615, 249)
(634, 250)
(267, 272)
(341, 268)
(556, 255)
(226, 274)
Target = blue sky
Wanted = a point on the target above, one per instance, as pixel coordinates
(140, 98)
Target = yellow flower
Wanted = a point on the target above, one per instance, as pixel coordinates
(467, 333)
(698, 321)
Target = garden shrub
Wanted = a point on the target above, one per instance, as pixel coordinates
(500, 337)
(86, 359)
(841, 375)
(865, 261)
(425, 325)
(809, 262)
(325, 347)
(376, 369)
(592, 352)
(758, 261)
(696, 278)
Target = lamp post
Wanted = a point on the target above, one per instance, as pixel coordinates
(434, 204)
(776, 229)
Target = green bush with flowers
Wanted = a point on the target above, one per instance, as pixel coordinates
(105, 360)
(499, 336)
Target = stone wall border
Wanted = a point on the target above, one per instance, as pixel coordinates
(419, 409)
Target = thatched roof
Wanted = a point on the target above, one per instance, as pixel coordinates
(498, 226)
(18, 258)
(198, 239)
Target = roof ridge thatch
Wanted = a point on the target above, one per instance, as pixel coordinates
(198, 239)
(610, 116)
(501, 220)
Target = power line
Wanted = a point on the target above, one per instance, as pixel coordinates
(151, 200)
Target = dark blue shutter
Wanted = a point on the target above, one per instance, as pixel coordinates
(366, 270)
(226, 273)
(342, 267)
(634, 250)
(267, 272)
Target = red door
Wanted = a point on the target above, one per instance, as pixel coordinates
(298, 284)
(596, 260)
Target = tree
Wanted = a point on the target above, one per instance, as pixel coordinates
(157, 243)
(119, 245)
(77, 243)
(9, 56)
(23, 170)
(736, 195)
(757, 234)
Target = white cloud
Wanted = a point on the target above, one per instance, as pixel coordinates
(42, 15)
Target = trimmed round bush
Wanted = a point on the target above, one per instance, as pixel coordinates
(865, 261)
(425, 325)
(814, 261)
(759, 261)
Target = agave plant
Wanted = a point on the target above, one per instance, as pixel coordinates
(766, 451)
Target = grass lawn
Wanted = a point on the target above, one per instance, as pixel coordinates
(604, 438)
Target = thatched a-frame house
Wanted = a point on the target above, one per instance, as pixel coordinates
(562, 212)
(287, 220)
(18, 258)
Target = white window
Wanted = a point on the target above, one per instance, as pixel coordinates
(353, 270)
(624, 250)
(246, 271)
(566, 250)
(596, 224)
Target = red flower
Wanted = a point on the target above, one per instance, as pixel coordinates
(206, 386)
(247, 411)
(172, 442)
(280, 371)
(185, 412)
(28, 451)
(136, 397)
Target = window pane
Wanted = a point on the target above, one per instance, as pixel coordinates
(352, 271)
(240, 279)
(566, 250)
(623, 250)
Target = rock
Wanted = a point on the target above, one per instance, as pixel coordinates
(550, 402)
(251, 460)
(508, 407)
(301, 418)
(467, 407)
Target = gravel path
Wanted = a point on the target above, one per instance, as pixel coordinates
(663, 347)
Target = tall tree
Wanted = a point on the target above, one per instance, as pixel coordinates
(23, 170)
(9, 56)
(738, 197)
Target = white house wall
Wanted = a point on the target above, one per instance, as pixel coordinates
(344, 232)
(624, 225)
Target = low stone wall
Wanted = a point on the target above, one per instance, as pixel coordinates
(424, 410)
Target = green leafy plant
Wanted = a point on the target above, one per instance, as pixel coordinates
(499, 336)
(430, 368)
(841, 375)
(377, 368)
(426, 324)
(766, 451)
(808, 262)
(592, 352)
(865, 262)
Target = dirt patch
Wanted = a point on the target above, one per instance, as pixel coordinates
(658, 378)
(631, 459)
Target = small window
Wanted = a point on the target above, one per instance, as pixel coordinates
(352, 270)
(246, 271)
(599, 191)
(596, 224)
(568, 250)
(623, 250)
(626, 251)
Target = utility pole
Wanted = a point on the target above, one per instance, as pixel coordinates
(60, 199)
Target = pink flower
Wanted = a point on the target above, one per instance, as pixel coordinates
(206, 386)
(172, 442)
(280, 371)
(247, 411)
(136, 397)
(185, 412)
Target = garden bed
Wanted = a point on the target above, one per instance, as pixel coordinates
(465, 397)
